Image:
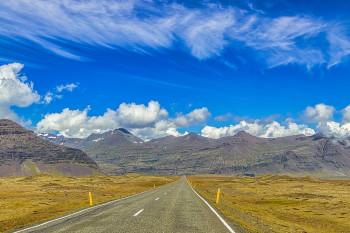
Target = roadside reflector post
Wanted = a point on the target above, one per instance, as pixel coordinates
(154, 186)
(90, 198)
(218, 196)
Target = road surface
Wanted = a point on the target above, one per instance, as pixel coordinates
(168, 209)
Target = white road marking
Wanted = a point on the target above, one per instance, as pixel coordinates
(138, 212)
(213, 210)
(156, 199)
(82, 211)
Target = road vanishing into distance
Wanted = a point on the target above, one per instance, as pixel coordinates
(170, 208)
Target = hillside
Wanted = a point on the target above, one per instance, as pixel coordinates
(24, 153)
(238, 154)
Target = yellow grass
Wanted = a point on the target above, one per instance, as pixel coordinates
(28, 200)
(280, 203)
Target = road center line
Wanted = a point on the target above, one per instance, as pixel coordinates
(138, 212)
(156, 199)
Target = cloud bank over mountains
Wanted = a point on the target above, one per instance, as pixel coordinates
(147, 121)
(151, 120)
(322, 115)
(257, 128)
(204, 32)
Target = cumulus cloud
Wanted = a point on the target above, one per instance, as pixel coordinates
(146, 121)
(76, 123)
(15, 90)
(322, 115)
(205, 32)
(150, 121)
(257, 128)
(319, 113)
(160, 129)
(140, 116)
(335, 129)
(346, 114)
(196, 116)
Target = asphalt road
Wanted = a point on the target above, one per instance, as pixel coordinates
(169, 209)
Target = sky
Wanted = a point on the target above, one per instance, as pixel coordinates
(158, 68)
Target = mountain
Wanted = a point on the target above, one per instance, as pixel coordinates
(24, 153)
(112, 138)
(119, 151)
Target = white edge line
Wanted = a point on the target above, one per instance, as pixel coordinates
(138, 212)
(83, 210)
(213, 210)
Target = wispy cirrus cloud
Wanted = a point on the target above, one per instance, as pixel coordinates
(57, 93)
(66, 87)
(205, 32)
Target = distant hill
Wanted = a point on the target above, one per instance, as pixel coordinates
(24, 153)
(119, 151)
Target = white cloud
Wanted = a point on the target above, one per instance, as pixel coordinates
(93, 22)
(160, 129)
(269, 130)
(146, 121)
(346, 114)
(67, 87)
(335, 129)
(322, 115)
(205, 31)
(319, 113)
(49, 96)
(76, 123)
(196, 116)
(152, 121)
(339, 45)
(140, 116)
(15, 90)
(277, 39)
(56, 94)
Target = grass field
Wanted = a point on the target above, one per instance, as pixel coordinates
(27, 200)
(280, 203)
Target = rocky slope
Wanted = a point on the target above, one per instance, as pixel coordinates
(24, 153)
(239, 154)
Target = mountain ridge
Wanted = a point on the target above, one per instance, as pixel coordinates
(238, 154)
(23, 153)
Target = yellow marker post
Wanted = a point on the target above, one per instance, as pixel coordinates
(218, 196)
(90, 198)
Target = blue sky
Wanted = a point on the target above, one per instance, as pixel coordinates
(272, 68)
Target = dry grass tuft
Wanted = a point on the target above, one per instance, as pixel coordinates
(280, 203)
(27, 200)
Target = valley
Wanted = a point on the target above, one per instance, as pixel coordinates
(286, 184)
